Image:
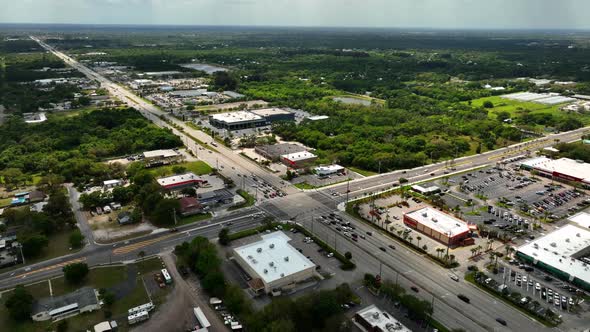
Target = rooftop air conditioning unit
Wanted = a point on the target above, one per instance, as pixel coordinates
(434, 220)
(271, 264)
(282, 274)
(259, 250)
(265, 271)
(286, 258)
(272, 245)
(424, 214)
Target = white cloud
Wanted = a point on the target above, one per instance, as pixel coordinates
(379, 13)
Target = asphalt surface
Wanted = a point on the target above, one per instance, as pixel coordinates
(409, 267)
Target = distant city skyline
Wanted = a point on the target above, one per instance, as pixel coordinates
(443, 14)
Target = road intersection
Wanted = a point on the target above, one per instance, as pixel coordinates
(302, 206)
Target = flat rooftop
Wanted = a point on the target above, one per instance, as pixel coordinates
(178, 179)
(564, 166)
(378, 318)
(318, 117)
(297, 156)
(439, 221)
(235, 117)
(264, 112)
(582, 219)
(273, 257)
(160, 154)
(562, 249)
(280, 149)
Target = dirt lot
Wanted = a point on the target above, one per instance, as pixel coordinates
(106, 228)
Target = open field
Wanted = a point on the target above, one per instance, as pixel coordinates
(114, 278)
(197, 167)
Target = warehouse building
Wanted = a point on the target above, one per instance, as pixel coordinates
(322, 171)
(274, 114)
(275, 151)
(560, 169)
(273, 263)
(373, 319)
(178, 182)
(564, 253)
(236, 120)
(161, 157)
(80, 301)
(431, 190)
(439, 226)
(299, 159)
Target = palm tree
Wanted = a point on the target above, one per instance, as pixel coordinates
(452, 258)
(418, 238)
(473, 250)
(410, 239)
(507, 249)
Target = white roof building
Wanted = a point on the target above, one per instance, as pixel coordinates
(439, 221)
(327, 170)
(239, 116)
(564, 251)
(35, 117)
(274, 261)
(160, 154)
(299, 156)
(318, 117)
(582, 219)
(563, 168)
(372, 318)
(181, 180)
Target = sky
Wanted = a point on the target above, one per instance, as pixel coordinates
(444, 14)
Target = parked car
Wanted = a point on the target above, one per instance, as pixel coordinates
(463, 298)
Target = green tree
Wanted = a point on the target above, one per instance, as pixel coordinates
(33, 244)
(75, 273)
(76, 239)
(224, 236)
(20, 304)
(348, 255)
(488, 104)
(62, 326)
(164, 211)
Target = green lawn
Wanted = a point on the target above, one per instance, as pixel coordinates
(197, 167)
(194, 218)
(59, 245)
(304, 185)
(514, 107)
(250, 200)
(362, 171)
(97, 278)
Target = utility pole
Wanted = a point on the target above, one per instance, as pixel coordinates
(312, 225)
(347, 189)
(21, 252)
(379, 167)
(174, 216)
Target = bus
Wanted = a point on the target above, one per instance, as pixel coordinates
(167, 277)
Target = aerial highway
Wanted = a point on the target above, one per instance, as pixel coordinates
(302, 206)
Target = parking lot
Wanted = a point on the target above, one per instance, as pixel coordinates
(327, 267)
(508, 202)
(538, 288)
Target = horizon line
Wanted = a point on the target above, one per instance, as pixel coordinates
(547, 29)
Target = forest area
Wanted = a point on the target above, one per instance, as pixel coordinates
(424, 84)
(74, 147)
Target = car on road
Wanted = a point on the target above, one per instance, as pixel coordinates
(454, 277)
(382, 249)
(463, 298)
(415, 289)
(391, 246)
(369, 233)
(501, 321)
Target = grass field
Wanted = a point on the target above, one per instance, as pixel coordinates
(97, 278)
(362, 171)
(194, 218)
(197, 167)
(250, 200)
(59, 245)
